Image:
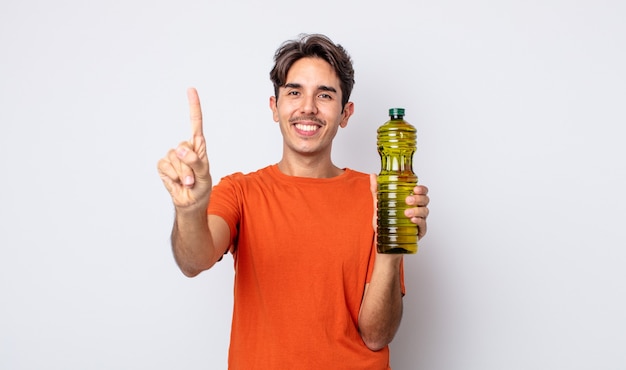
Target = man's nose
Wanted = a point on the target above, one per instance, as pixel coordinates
(309, 106)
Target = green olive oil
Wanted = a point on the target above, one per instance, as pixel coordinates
(396, 145)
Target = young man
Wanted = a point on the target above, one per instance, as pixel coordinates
(310, 290)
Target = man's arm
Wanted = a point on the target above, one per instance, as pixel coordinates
(381, 309)
(198, 240)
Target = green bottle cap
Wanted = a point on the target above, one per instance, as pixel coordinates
(396, 111)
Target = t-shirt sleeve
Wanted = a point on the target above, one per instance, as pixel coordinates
(225, 202)
(402, 287)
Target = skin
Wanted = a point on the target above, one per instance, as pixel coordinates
(309, 113)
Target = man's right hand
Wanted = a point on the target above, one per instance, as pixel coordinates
(185, 169)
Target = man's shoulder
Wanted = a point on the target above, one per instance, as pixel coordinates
(248, 177)
(356, 173)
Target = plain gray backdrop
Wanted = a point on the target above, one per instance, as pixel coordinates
(520, 111)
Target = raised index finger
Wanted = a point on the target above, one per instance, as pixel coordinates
(195, 113)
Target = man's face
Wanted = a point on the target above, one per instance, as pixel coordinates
(308, 107)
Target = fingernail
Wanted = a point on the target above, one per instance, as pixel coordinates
(181, 152)
(189, 180)
(408, 212)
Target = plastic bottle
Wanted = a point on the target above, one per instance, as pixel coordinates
(396, 145)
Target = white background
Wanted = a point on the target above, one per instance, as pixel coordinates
(520, 109)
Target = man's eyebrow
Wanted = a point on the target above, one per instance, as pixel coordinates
(327, 88)
(295, 85)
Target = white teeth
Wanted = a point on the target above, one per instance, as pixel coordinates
(306, 127)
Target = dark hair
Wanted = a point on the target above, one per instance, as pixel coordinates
(314, 45)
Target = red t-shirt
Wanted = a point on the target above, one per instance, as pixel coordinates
(303, 250)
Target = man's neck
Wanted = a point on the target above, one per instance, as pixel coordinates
(309, 167)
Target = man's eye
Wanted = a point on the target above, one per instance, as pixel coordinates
(325, 96)
(293, 93)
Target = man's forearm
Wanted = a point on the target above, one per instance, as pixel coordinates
(191, 242)
(381, 310)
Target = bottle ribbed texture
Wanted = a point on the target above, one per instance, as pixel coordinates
(396, 146)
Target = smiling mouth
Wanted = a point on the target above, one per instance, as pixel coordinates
(307, 124)
(306, 128)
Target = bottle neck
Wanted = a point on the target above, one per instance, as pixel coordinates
(396, 117)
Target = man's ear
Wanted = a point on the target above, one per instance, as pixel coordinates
(348, 110)
(274, 108)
